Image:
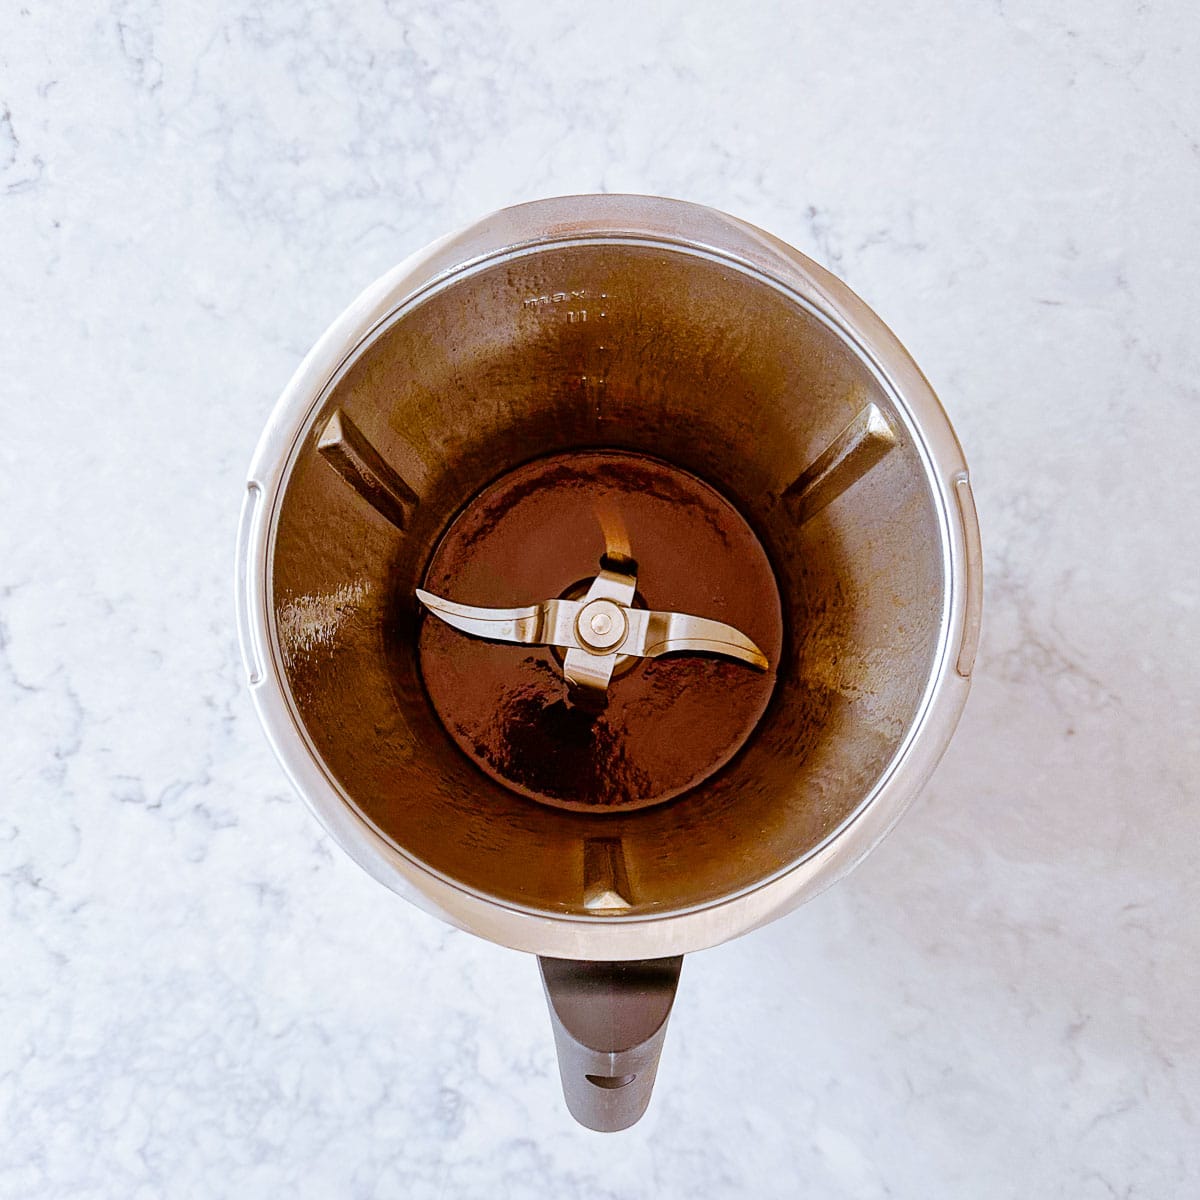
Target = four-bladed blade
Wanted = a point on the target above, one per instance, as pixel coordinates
(598, 629)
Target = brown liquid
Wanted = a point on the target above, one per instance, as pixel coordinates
(670, 722)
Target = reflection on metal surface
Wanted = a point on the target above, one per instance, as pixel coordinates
(310, 623)
(345, 447)
(844, 461)
(596, 630)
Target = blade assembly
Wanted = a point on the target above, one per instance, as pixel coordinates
(598, 629)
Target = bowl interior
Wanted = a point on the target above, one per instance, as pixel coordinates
(667, 353)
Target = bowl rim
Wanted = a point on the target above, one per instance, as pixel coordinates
(674, 225)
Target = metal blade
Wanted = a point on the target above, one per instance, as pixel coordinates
(520, 625)
(668, 633)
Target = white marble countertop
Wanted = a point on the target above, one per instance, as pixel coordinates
(200, 995)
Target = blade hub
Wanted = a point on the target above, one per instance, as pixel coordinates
(601, 626)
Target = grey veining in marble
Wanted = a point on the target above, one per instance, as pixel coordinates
(199, 996)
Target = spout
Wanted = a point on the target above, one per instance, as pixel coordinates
(610, 1020)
